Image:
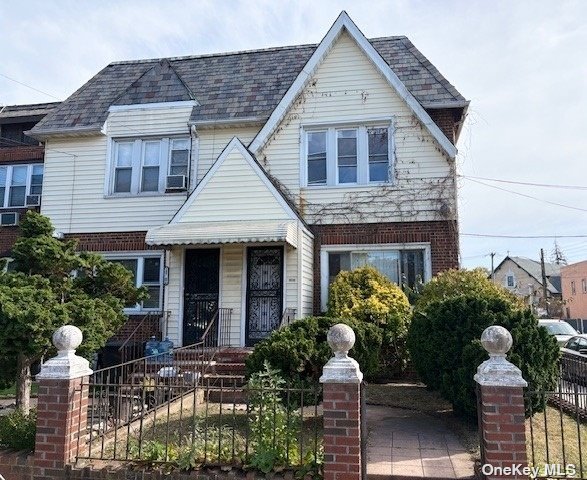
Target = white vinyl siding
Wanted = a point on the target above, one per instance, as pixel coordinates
(348, 90)
(307, 269)
(81, 206)
(234, 192)
(211, 143)
(174, 295)
(231, 281)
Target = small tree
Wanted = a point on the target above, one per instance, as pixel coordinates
(42, 294)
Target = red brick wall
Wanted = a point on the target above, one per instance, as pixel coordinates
(16, 465)
(32, 154)
(110, 241)
(442, 236)
(8, 236)
(446, 119)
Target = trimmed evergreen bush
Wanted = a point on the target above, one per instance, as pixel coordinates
(445, 347)
(300, 350)
(18, 430)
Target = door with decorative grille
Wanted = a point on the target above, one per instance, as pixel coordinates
(264, 292)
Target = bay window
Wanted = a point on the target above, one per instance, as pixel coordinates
(354, 155)
(142, 165)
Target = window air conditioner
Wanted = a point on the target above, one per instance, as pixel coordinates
(33, 200)
(177, 182)
(8, 219)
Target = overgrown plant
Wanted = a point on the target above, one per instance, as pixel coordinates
(17, 430)
(274, 428)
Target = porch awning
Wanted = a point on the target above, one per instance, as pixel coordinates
(224, 232)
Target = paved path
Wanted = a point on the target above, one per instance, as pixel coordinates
(406, 443)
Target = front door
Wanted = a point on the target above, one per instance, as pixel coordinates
(264, 292)
(201, 287)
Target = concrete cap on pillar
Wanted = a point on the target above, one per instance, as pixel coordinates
(341, 368)
(66, 365)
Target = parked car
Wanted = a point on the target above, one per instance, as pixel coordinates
(574, 360)
(559, 328)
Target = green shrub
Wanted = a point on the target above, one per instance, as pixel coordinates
(18, 430)
(461, 282)
(445, 347)
(366, 295)
(300, 350)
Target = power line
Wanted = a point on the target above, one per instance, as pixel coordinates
(488, 235)
(527, 196)
(546, 185)
(28, 86)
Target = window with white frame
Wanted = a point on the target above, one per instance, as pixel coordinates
(147, 271)
(19, 181)
(142, 165)
(353, 155)
(403, 266)
(510, 280)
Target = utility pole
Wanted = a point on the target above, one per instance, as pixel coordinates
(544, 287)
(492, 270)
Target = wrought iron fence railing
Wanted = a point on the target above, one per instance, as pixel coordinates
(133, 346)
(206, 424)
(556, 430)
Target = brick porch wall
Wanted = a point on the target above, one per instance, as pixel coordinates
(442, 236)
(110, 241)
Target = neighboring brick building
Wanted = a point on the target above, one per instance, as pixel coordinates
(21, 167)
(574, 285)
(246, 181)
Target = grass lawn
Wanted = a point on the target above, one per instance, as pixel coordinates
(556, 427)
(415, 396)
(10, 392)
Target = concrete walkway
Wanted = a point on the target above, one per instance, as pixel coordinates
(406, 443)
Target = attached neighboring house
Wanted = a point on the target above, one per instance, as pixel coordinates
(21, 167)
(242, 183)
(523, 277)
(574, 289)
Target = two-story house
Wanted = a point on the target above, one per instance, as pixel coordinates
(246, 181)
(21, 167)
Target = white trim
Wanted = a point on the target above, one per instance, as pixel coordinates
(235, 143)
(181, 297)
(243, 318)
(344, 22)
(152, 106)
(325, 249)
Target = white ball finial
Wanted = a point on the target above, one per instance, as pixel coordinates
(341, 339)
(497, 340)
(67, 338)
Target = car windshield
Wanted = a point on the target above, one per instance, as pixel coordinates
(560, 328)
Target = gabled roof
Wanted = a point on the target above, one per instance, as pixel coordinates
(237, 86)
(260, 181)
(533, 268)
(344, 23)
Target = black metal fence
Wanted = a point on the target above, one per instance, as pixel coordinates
(557, 435)
(188, 423)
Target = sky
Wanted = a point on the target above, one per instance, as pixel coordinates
(522, 64)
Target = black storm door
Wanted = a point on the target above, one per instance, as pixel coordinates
(201, 286)
(264, 292)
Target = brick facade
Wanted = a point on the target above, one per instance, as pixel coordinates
(442, 236)
(110, 241)
(342, 431)
(22, 154)
(502, 426)
(447, 120)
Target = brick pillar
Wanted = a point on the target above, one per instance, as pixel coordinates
(501, 409)
(342, 408)
(62, 405)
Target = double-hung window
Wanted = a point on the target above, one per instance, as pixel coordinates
(147, 271)
(142, 165)
(19, 181)
(353, 155)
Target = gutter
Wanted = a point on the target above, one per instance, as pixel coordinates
(228, 122)
(63, 132)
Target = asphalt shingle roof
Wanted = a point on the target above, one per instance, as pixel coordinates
(535, 270)
(230, 86)
(29, 110)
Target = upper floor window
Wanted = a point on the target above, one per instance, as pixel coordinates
(17, 182)
(510, 280)
(573, 288)
(144, 165)
(584, 285)
(347, 155)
